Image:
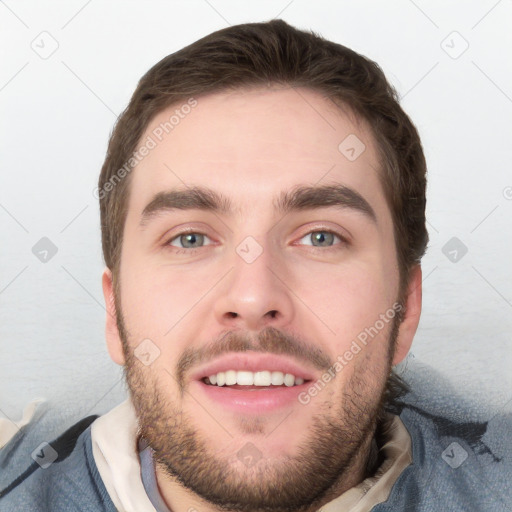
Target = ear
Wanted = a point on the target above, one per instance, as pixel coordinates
(411, 318)
(114, 342)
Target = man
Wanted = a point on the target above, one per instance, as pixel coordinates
(263, 221)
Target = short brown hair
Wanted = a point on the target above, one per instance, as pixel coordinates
(274, 52)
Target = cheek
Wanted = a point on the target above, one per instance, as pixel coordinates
(162, 304)
(153, 298)
(361, 365)
(347, 299)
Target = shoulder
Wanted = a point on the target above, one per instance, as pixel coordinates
(458, 464)
(41, 471)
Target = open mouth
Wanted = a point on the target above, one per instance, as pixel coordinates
(250, 381)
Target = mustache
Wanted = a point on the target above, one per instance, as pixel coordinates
(268, 340)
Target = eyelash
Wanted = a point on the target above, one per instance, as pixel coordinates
(342, 240)
(183, 233)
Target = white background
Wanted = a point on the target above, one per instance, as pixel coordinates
(57, 113)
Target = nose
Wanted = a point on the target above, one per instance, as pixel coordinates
(255, 294)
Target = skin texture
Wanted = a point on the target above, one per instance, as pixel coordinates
(296, 298)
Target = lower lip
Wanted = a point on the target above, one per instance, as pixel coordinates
(257, 401)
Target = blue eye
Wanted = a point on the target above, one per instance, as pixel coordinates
(318, 239)
(189, 241)
(322, 238)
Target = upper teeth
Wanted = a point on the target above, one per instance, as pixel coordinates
(263, 378)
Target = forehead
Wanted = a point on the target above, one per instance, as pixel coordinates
(251, 144)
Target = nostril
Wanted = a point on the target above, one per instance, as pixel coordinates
(232, 315)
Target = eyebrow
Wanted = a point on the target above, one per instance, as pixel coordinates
(298, 199)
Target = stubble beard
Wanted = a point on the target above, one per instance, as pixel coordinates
(336, 448)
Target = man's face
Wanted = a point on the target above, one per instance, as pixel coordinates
(255, 287)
